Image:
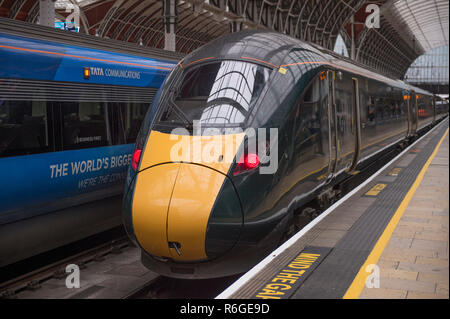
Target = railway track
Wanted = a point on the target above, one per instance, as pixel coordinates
(171, 288)
(34, 279)
(158, 287)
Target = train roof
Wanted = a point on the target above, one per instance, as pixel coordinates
(263, 47)
(26, 57)
(270, 48)
(35, 31)
(418, 90)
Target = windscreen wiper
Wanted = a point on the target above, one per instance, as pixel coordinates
(187, 122)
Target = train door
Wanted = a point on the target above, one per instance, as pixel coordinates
(413, 113)
(344, 116)
(434, 107)
(407, 98)
(356, 123)
(311, 137)
(331, 126)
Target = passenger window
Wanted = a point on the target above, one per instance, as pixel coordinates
(23, 128)
(84, 125)
(371, 110)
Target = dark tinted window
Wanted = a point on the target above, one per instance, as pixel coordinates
(84, 124)
(312, 124)
(130, 117)
(135, 115)
(23, 128)
(218, 93)
(310, 136)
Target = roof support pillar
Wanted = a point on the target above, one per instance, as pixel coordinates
(353, 45)
(47, 12)
(235, 25)
(170, 16)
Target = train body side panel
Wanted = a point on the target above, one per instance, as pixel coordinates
(34, 183)
(425, 110)
(383, 116)
(25, 58)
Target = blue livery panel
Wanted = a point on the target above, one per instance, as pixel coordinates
(36, 180)
(24, 58)
(31, 185)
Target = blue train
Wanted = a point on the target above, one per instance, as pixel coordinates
(71, 106)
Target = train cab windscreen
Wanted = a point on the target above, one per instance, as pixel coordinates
(218, 94)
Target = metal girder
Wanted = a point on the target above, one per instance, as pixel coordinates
(316, 21)
(194, 37)
(130, 12)
(149, 28)
(326, 12)
(384, 50)
(404, 35)
(106, 22)
(143, 19)
(16, 8)
(33, 13)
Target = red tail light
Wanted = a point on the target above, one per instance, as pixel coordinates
(135, 159)
(247, 163)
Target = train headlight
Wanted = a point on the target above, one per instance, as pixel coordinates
(247, 163)
(135, 159)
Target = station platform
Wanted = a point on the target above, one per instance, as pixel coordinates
(388, 238)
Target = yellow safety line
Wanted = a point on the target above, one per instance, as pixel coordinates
(358, 283)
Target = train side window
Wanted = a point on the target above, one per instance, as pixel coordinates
(371, 110)
(403, 104)
(23, 128)
(344, 104)
(84, 125)
(363, 107)
(312, 123)
(306, 121)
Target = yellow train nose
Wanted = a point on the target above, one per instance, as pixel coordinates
(151, 201)
(171, 208)
(173, 198)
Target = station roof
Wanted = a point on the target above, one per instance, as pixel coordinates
(408, 28)
(426, 20)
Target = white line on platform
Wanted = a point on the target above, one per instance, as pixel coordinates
(256, 269)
